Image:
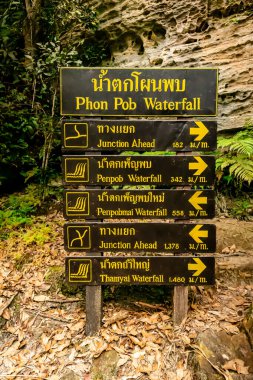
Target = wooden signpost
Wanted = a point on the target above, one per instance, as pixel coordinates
(138, 92)
(136, 204)
(139, 237)
(170, 270)
(138, 170)
(138, 135)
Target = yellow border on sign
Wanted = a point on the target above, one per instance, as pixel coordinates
(75, 146)
(140, 68)
(89, 237)
(76, 180)
(81, 193)
(69, 262)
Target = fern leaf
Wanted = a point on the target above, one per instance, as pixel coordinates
(243, 146)
(241, 142)
(242, 169)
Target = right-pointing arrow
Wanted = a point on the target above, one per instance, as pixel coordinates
(198, 266)
(196, 233)
(200, 131)
(196, 200)
(199, 166)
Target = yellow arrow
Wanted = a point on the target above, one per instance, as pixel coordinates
(196, 200)
(199, 166)
(196, 233)
(201, 131)
(198, 266)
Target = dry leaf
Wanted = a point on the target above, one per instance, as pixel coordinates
(21, 335)
(23, 343)
(77, 326)
(7, 362)
(233, 248)
(60, 336)
(97, 347)
(236, 365)
(226, 250)
(138, 355)
(44, 287)
(40, 298)
(61, 347)
(24, 316)
(120, 350)
(60, 354)
(6, 314)
(137, 341)
(110, 337)
(11, 329)
(180, 374)
(186, 339)
(46, 343)
(123, 360)
(228, 327)
(12, 350)
(117, 317)
(44, 339)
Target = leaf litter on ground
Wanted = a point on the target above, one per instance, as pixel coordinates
(43, 333)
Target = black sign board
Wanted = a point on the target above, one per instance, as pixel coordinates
(138, 135)
(167, 270)
(139, 170)
(139, 237)
(138, 91)
(136, 204)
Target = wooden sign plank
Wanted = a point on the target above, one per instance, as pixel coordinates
(138, 170)
(168, 270)
(136, 204)
(138, 135)
(137, 91)
(139, 237)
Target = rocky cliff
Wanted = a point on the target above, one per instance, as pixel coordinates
(176, 33)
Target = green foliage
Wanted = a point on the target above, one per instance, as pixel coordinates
(17, 210)
(240, 143)
(234, 163)
(29, 91)
(242, 208)
(38, 234)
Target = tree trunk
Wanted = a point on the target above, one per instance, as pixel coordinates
(31, 27)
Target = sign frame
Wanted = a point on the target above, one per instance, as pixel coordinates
(139, 237)
(76, 81)
(136, 204)
(101, 170)
(138, 135)
(140, 270)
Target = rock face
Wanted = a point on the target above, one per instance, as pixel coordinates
(233, 231)
(227, 352)
(105, 366)
(176, 33)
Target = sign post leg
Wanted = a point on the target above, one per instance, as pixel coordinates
(180, 293)
(180, 304)
(93, 309)
(94, 299)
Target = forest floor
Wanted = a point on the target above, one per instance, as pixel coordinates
(42, 325)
